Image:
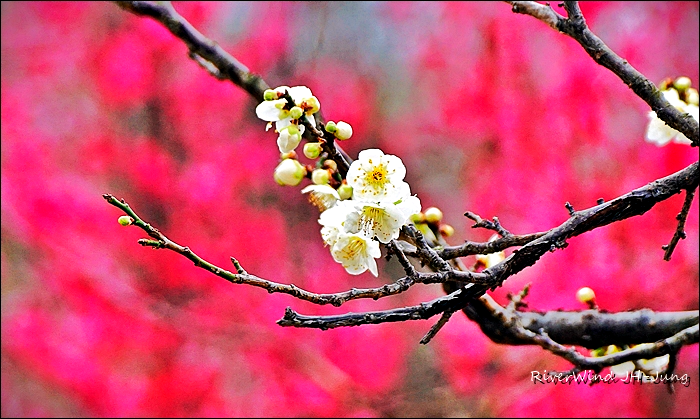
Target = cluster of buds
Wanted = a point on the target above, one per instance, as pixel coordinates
(286, 107)
(681, 96)
(431, 219)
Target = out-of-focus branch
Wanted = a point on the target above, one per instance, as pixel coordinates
(575, 26)
(681, 217)
(219, 63)
(201, 47)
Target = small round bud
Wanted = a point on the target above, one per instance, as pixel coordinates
(345, 191)
(125, 220)
(312, 105)
(292, 129)
(691, 97)
(312, 150)
(433, 215)
(320, 176)
(290, 155)
(296, 112)
(343, 131)
(331, 127)
(447, 230)
(418, 218)
(289, 172)
(682, 83)
(585, 295)
(330, 164)
(665, 83)
(270, 94)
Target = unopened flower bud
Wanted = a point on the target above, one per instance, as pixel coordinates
(691, 97)
(585, 295)
(331, 127)
(312, 150)
(433, 215)
(296, 112)
(312, 105)
(682, 83)
(290, 155)
(125, 220)
(447, 230)
(330, 164)
(289, 172)
(345, 191)
(320, 176)
(418, 218)
(343, 131)
(270, 94)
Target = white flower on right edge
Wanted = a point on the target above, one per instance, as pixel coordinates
(658, 132)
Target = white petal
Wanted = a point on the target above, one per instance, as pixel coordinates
(658, 132)
(300, 93)
(267, 111)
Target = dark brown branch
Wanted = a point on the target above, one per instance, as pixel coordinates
(199, 45)
(681, 217)
(633, 203)
(242, 277)
(575, 27)
(588, 328)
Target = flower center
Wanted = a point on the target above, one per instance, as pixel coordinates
(371, 216)
(377, 177)
(355, 247)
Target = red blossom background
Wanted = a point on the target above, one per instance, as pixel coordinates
(490, 111)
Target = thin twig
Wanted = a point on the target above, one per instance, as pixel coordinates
(681, 217)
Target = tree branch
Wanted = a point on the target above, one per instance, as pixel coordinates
(575, 26)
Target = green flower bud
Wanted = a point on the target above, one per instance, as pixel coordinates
(292, 129)
(418, 218)
(433, 215)
(320, 176)
(291, 155)
(447, 230)
(296, 112)
(125, 220)
(312, 105)
(585, 295)
(343, 131)
(270, 94)
(682, 83)
(345, 191)
(312, 150)
(289, 172)
(331, 127)
(330, 164)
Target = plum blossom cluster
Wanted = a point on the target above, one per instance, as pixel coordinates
(287, 115)
(358, 213)
(683, 97)
(381, 204)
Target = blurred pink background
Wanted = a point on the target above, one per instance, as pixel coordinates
(490, 111)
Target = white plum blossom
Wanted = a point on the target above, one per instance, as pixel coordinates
(356, 252)
(376, 176)
(353, 228)
(286, 118)
(658, 132)
(322, 196)
(383, 219)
